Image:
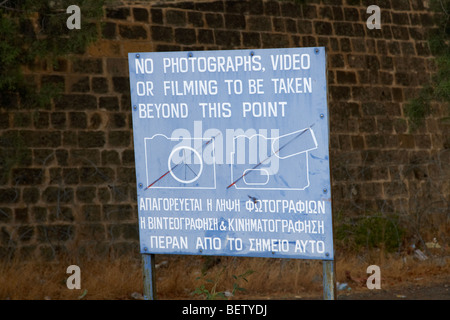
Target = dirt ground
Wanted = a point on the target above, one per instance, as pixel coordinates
(439, 289)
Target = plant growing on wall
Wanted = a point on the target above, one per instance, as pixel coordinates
(36, 31)
(439, 87)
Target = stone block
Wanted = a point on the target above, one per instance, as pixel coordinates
(91, 139)
(251, 39)
(323, 28)
(176, 17)
(27, 176)
(132, 32)
(58, 120)
(41, 139)
(185, 36)
(345, 77)
(85, 194)
(140, 14)
(30, 195)
(119, 138)
(121, 13)
(76, 102)
(214, 6)
(227, 39)
(99, 84)
(214, 20)
(121, 212)
(160, 33)
(257, 23)
(70, 176)
(205, 36)
(110, 103)
(55, 233)
(274, 40)
(77, 120)
(87, 65)
(121, 84)
(235, 21)
(117, 66)
(57, 195)
(110, 157)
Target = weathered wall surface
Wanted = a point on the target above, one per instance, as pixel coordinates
(67, 177)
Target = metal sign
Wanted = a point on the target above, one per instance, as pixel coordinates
(231, 152)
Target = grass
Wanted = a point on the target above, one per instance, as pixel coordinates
(34, 280)
(369, 232)
(117, 278)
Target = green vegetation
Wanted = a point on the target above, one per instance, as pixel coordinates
(208, 289)
(439, 88)
(370, 232)
(36, 31)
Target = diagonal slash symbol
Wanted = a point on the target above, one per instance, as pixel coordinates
(261, 162)
(174, 167)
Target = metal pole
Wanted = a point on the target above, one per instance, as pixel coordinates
(329, 280)
(148, 264)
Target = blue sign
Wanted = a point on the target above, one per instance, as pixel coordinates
(231, 151)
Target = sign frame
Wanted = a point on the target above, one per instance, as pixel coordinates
(174, 180)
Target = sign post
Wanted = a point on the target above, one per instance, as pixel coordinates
(148, 267)
(231, 152)
(329, 280)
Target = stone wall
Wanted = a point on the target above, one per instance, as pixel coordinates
(68, 179)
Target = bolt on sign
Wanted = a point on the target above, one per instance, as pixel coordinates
(231, 151)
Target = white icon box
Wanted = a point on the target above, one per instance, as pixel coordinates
(177, 163)
(277, 163)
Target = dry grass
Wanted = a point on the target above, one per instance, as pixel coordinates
(270, 276)
(117, 278)
(33, 280)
